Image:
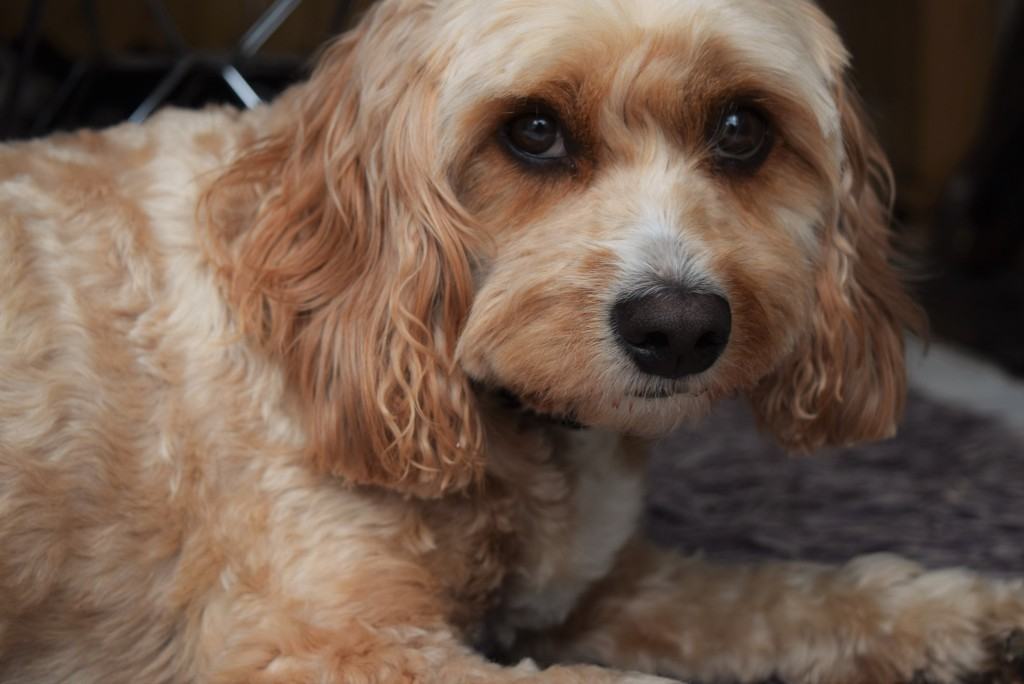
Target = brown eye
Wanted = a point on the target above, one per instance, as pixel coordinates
(536, 136)
(743, 139)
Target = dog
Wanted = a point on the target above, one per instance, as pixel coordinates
(356, 386)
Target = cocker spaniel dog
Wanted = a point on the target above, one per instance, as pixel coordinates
(354, 387)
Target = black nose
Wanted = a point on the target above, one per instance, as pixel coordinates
(673, 332)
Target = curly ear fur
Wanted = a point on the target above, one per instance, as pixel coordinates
(845, 381)
(348, 260)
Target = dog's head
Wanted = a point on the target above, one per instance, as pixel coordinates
(618, 210)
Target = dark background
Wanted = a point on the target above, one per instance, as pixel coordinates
(943, 79)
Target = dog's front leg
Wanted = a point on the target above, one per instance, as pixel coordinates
(877, 620)
(389, 629)
(362, 654)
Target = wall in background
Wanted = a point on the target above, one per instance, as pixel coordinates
(924, 67)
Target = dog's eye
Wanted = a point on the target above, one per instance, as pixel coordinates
(743, 139)
(536, 136)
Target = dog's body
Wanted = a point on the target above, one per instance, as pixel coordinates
(238, 437)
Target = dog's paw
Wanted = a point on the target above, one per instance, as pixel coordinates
(902, 623)
(962, 627)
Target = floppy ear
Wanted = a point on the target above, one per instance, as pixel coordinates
(845, 381)
(347, 258)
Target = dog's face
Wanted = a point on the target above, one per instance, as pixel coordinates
(654, 179)
(618, 210)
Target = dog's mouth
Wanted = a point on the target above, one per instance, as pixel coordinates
(533, 411)
(511, 401)
(659, 393)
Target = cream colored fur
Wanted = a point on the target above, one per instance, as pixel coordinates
(244, 430)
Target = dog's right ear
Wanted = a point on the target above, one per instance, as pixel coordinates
(845, 382)
(347, 258)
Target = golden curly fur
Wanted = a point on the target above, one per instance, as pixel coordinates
(248, 426)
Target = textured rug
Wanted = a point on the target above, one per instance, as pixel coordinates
(945, 492)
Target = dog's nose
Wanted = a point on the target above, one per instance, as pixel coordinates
(673, 332)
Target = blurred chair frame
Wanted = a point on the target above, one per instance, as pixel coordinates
(181, 61)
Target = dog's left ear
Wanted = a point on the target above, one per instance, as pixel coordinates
(347, 258)
(845, 381)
